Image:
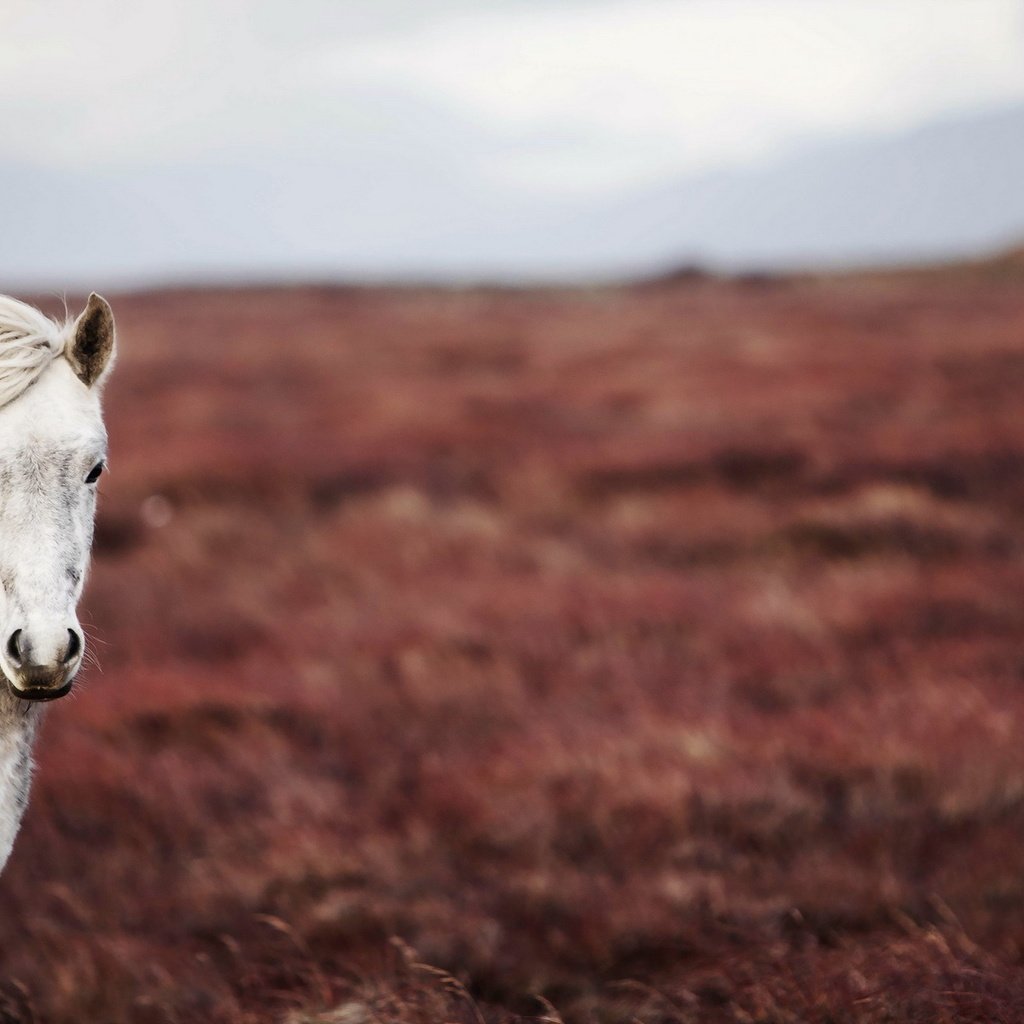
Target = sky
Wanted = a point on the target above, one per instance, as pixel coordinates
(441, 111)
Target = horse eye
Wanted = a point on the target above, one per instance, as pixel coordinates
(94, 473)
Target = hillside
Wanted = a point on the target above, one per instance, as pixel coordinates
(651, 653)
(942, 190)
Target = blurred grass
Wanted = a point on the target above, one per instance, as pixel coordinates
(649, 653)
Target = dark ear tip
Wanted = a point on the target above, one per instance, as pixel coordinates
(97, 308)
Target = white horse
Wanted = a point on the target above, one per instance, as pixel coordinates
(53, 448)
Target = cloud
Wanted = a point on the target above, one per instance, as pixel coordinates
(401, 135)
(608, 92)
(113, 83)
(550, 97)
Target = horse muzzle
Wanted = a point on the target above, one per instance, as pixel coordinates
(30, 680)
(41, 682)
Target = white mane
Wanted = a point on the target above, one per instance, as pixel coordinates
(29, 342)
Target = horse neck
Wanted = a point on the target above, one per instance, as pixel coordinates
(18, 723)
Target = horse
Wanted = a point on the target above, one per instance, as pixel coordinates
(53, 448)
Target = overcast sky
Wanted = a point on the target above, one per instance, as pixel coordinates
(516, 102)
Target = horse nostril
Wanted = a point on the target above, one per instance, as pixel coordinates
(14, 647)
(74, 647)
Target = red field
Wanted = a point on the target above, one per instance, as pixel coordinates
(647, 654)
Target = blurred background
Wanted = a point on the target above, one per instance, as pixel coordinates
(517, 140)
(562, 557)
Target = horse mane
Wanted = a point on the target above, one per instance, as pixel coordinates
(29, 342)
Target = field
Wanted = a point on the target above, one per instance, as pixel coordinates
(651, 654)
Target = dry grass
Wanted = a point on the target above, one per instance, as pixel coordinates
(651, 654)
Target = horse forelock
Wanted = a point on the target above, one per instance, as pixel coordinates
(29, 342)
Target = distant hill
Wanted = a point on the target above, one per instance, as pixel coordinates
(950, 189)
(954, 188)
(1009, 259)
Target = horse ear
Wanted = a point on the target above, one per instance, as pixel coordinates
(92, 350)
